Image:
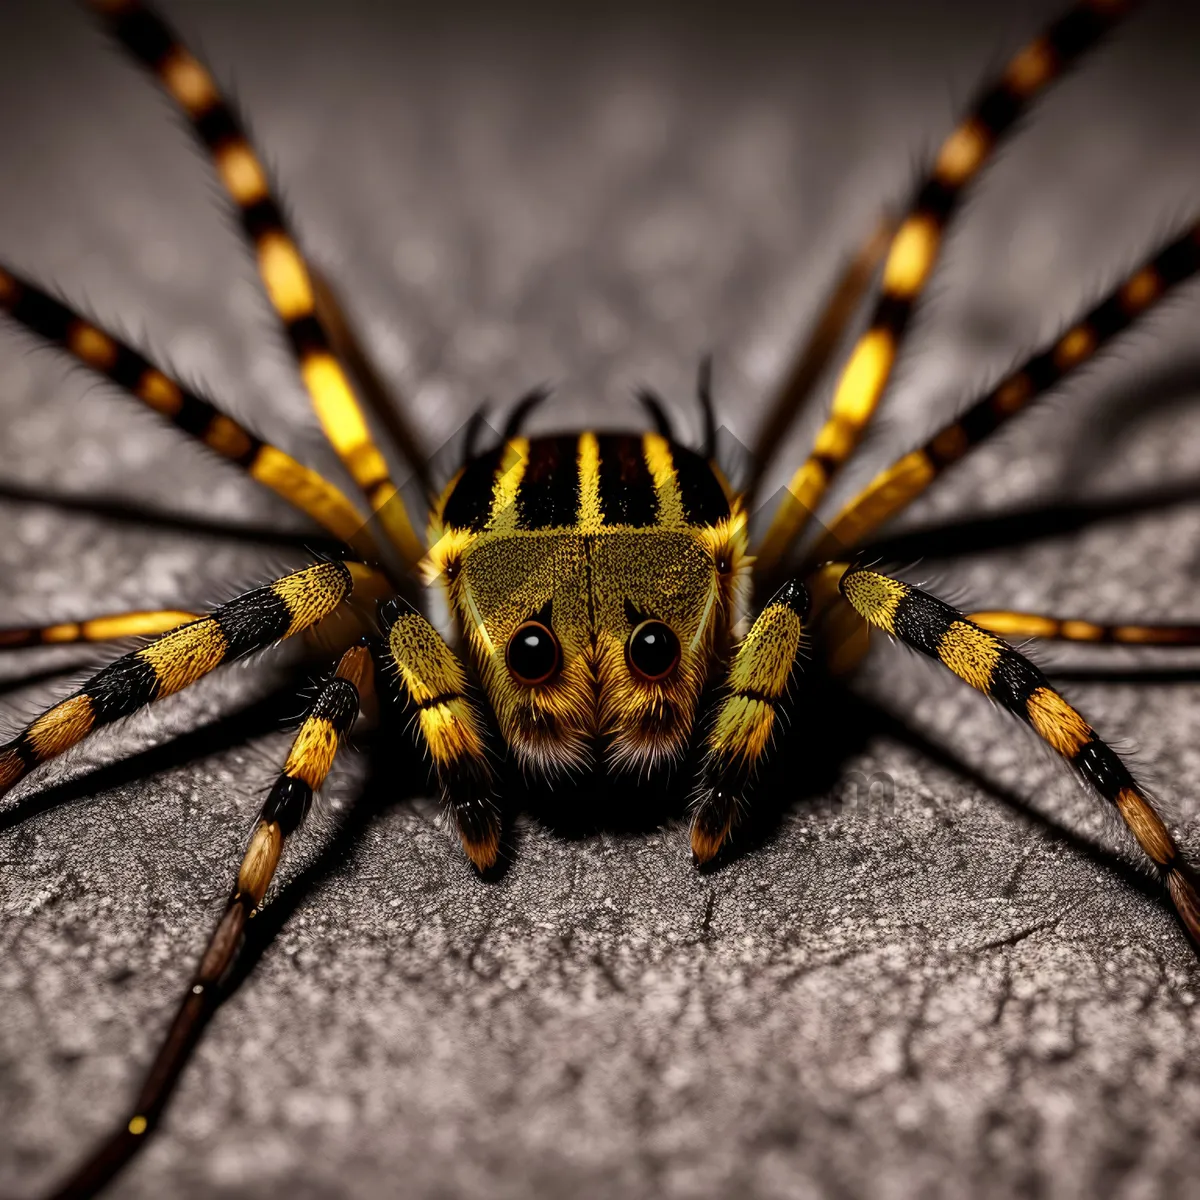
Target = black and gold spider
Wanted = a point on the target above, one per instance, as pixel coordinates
(596, 580)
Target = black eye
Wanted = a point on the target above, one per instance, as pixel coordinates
(533, 653)
(652, 651)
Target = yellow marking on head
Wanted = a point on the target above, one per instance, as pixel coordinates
(1082, 631)
(970, 653)
(1142, 289)
(9, 289)
(310, 492)
(1033, 67)
(312, 593)
(68, 631)
(227, 437)
(12, 767)
(312, 752)
(1016, 624)
(1074, 346)
(1012, 395)
(181, 657)
(1057, 722)
(513, 460)
(661, 466)
(875, 598)
(284, 275)
(260, 860)
(477, 618)
(951, 443)
(588, 462)
(159, 392)
(1146, 825)
(137, 1125)
(188, 82)
(62, 727)
(863, 378)
(135, 624)
(962, 153)
(342, 419)
(911, 258)
(92, 345)
(241, 172)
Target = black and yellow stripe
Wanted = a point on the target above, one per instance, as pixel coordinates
(109, 628)
(901, 483)
(587, 482)
(993, 667)
(188, 411)
(176, 660)
(744, 722)
(329, 718)
(1008, 623)
(914, 251)
(285, 274)
(450, 726)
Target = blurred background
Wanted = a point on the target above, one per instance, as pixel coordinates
(951, 996)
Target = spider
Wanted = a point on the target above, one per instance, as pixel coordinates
(597, 580)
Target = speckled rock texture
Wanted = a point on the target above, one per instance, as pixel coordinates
(965, 983)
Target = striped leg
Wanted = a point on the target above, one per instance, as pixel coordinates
(808, 366)
(450, 726)
(1069, 629)
(743, 724)
(177, 659)
(284, 271)
(896, 487)
(330, 717)
(914, 252)
(996, 669)
(95, 629)
(195, 415)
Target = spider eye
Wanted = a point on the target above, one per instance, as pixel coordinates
(652, 651)
(533, 653)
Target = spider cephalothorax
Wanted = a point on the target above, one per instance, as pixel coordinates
(597, 580)
(594, 581)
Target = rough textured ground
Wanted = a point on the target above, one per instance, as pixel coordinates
(970, 987)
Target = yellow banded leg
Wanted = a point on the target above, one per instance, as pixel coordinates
(176, 659)
(328, 720)
(993, 667)
(1072, 629)
(185, 408)
(109, 628)
(285, 274)
(914, 252)
(743, 722)
(450, 727)
(900, 484)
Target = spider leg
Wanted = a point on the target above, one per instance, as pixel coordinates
(174, 660)
(1069, 629)
(1008, 677)
(913, 254)
(743, 723)
(838, 309)
(449, 725)
(896, 487)
(332, 713)
(109, 628)
(195, 415)
(285, 273)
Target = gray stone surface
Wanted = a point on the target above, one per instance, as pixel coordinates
(968, 989)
